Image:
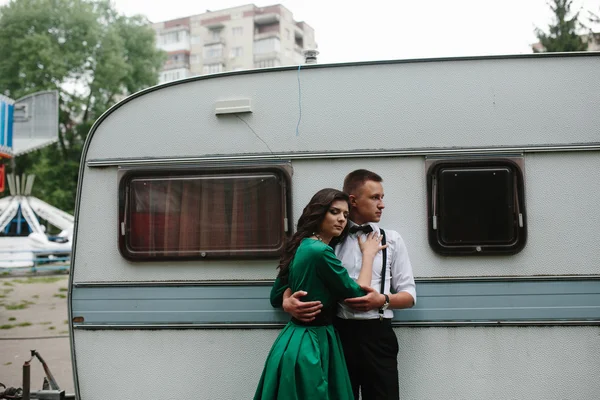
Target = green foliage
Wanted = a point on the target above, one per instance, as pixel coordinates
(41, 279)
(18, 306)
(594, 22)
(87, 52)
(562, 34)
(10, 326)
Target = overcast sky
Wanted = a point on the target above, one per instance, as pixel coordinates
(394, 29)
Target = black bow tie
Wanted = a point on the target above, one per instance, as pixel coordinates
(361, 228)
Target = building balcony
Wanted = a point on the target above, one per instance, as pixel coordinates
(213, 68)
(214, 40)
(266, 18)
(266, 35)
(181, 45)
(173, 74)
(215, 22)
(173, 39)
(176, 65)
(266, 56)
(174, 28)
(211, 59)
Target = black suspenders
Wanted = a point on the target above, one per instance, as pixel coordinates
(383, 265)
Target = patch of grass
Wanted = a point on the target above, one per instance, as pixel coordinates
(15, 306)
(63, 289)
(7, 291)
(35, 296)
(51, 328)
(45, 279)
(24, 324)
(53, 308)
(45, 323)
(60, 295)
(18, 306)
(63, 332)
(7, 283)
(5, 273)
(2, 296)
(12, 319)
(8, 363)
(66, 321)
(6, 326)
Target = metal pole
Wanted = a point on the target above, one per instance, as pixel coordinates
(26, 380)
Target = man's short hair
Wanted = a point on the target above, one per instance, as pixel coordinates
(356, 179)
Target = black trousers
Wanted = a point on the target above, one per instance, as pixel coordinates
(371, 351)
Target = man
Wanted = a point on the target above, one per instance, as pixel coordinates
(364, 323)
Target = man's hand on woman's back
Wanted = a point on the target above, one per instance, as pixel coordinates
(302, 311)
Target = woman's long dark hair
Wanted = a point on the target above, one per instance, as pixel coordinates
(310, 223)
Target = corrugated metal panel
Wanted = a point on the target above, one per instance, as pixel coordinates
(36, 121)
(477, 302)
(6, 125)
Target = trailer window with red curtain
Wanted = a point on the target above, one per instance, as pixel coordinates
(201, 216)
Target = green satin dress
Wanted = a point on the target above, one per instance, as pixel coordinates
(307, 361)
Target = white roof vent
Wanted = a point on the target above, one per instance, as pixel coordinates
(311, 56)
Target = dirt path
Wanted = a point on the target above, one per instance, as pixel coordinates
(33, 315)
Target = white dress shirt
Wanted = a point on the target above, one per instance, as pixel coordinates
(398, 275)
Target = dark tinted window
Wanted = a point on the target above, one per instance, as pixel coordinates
(476, 207)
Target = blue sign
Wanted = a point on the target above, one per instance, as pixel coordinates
(7, 107)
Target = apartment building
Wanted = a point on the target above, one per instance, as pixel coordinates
(232, 39)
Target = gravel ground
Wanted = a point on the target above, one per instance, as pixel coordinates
(33, 315)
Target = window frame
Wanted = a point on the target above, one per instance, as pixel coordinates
(237, 51)
(126, 175)
(212, 68)
(213, 51)
(434, 228)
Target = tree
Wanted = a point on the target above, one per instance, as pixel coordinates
(594, 21)
(562, 34)
(91, 55)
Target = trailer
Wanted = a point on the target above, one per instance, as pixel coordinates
(491, 166)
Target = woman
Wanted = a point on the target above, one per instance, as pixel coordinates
(307, 361)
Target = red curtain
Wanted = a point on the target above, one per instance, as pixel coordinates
(188, 215)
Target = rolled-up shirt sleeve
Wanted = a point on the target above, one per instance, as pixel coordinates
(402, 279)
